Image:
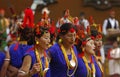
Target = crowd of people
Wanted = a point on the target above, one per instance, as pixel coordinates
(71, 48)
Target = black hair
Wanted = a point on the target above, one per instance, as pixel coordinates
(64, 29)
(41, 31)
(79, 43)
(94, 33)
(24, 35)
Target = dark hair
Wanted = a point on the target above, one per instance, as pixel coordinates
(64, 29)
(94, 33)
(39, 31)
(79, 43)
(23, 32)
(24, 35)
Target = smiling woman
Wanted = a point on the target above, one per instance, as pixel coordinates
(37, 58)
(86, 59)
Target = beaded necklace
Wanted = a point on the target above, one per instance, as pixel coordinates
(73, 63)
(46, 67)
(90, 71)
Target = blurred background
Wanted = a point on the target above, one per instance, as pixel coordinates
(57, 8)
(98, 9)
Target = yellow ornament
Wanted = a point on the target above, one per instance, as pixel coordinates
(37, 42)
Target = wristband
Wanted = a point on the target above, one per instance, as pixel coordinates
(7, 59)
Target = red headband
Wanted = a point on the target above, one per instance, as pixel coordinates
(84, 42)
(71, 30)
(99, 36)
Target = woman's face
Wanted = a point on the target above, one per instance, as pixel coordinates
(89, 47)
(44, 40)
(98, 43)
(69, 38)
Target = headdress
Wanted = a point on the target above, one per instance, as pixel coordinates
(28, 18)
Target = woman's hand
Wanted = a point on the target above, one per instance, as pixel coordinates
(35, 69)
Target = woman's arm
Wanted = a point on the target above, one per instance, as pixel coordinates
(12, 71)
(4, 68)
(25, 69)
(5, 64)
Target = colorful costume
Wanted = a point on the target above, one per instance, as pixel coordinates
(17, 52)
(33, 56)
(2, 57)
(58, 65)
(82, 69)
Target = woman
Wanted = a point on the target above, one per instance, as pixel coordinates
(36, 62)
(87, 66)
(99, 51)
(24, 44)
(18, 50)
(63, 53)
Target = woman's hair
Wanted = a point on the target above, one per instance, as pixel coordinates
(26, 34)
(64, 29)
(39, 31)
(80, 42)
(79, 45)
(94, 33)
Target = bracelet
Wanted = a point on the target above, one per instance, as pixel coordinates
(20, 71)
(7, 59)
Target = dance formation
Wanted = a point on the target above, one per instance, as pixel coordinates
(45, 50)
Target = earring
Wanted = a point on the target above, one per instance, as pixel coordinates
(18, 39)
(37, 42)
(60, 40)
(83, 49)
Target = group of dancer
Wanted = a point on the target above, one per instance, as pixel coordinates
(43, 50)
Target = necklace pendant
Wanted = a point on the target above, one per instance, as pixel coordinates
(46, 69)
(93, 74)
(72, 64)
